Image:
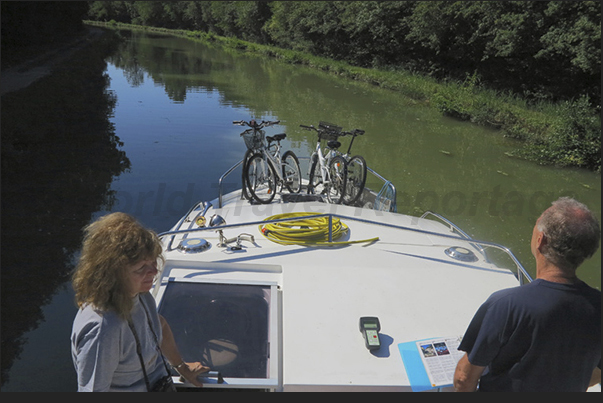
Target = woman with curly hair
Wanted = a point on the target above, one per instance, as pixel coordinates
(119, 341)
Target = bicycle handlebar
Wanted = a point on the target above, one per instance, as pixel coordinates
(254, 124)
(321, 129)
(311, 127)
(355, 132)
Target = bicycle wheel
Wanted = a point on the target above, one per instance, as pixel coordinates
(244, 187)
(260, 176)
(291, 172)
(337, 180)
(314, 178)
(356, 179)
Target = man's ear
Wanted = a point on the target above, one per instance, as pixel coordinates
(541, 241)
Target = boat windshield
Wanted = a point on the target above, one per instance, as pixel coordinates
(224, 326)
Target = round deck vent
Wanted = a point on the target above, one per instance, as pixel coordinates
(194, 245)
(461, 254)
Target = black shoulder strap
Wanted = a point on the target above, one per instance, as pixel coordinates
(139, 352)
(167, 369)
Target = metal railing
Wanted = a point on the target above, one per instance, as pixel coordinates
(224, 175)
(388, 187)
(381, 198)
(521, 271)
(521, 276)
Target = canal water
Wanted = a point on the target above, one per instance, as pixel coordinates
(149, 132)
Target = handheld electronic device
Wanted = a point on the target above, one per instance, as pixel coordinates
(370, 327)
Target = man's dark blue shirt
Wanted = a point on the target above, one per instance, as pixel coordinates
(542, 336)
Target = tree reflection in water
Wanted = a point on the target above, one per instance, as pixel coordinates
(59, 157)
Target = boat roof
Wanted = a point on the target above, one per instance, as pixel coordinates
(408, 277)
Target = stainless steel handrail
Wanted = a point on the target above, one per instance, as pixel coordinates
(521, 269)
(386, 184)
(478, 245)
(522, 272)
(377, 175)
(224, 175)
(453, 227)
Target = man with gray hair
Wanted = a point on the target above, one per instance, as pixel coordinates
(546, 335)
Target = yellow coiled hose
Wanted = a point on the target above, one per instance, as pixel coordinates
(311, 231)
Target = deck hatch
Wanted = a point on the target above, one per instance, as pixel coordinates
(225, 326)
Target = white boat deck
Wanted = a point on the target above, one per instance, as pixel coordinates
(405, 279)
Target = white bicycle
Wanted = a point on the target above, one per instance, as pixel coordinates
(264, 167)
(328, 171)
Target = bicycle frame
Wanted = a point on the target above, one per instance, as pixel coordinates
(350, 190)
(323, 159)
(353, 133)
(323, 162)
(265, 166)
(276, 159)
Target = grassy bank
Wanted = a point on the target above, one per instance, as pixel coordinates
(564, 134)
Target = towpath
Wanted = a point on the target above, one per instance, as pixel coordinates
(22, 75)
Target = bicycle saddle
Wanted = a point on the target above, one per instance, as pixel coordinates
(334, 144)
(276, 137)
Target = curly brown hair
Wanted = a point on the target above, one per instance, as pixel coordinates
(110, 245)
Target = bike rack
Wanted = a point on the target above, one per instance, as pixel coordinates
(386, 196)
(235, 166)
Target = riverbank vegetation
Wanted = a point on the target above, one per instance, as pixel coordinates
(531, 69)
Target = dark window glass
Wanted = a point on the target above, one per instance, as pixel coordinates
(223, 326)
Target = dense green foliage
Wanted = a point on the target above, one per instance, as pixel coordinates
(531, 69)
(541, 49)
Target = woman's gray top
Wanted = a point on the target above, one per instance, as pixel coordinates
(104, 349)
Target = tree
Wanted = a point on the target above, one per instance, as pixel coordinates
(540, 49)
(117, 11)
(377, 31)
(251, 16)
(149, 13)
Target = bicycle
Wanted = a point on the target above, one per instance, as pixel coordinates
(356, 171)
(330, 169)
(260, 174)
